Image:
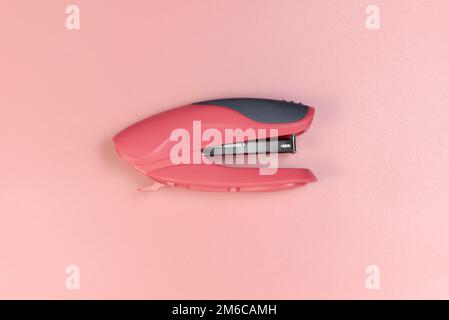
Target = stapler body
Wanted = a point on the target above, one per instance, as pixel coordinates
(153, 147)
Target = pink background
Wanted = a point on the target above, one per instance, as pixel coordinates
(378, 145)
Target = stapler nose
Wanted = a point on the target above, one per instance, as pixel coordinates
(121, 146)
(130, 145)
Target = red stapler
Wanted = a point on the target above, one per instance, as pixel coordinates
(219, 145)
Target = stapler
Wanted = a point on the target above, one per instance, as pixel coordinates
(195, 146)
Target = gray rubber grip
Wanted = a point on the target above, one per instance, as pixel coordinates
(263, 110)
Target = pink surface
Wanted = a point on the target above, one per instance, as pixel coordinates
(378, 145)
